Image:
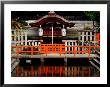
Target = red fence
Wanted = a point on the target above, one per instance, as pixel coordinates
(55, 48)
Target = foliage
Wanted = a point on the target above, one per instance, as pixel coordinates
(92, 14)
(20, 20)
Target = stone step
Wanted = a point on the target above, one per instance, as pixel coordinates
(97, 61)
(97, 52)
(13, 60)
(13, 66)
(98, 64)
(95, 65)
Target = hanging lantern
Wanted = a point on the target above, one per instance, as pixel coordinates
(63, 31)
(40, 31)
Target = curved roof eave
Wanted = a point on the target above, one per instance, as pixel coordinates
(52, 18)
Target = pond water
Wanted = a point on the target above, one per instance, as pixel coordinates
(56, 68)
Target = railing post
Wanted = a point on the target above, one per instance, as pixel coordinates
(89, 52)
(60, 50)
(46, 49)
(17, 51)
(74, 51)
(32, 50)
(82, 50)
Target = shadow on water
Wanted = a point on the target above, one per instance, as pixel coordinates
(56, 62)
(78, 62)
(56, 67)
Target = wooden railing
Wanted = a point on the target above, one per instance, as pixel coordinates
(53, 49)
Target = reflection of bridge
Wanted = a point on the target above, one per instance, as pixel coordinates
(53, 51)
(56, 71)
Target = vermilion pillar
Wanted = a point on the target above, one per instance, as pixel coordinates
(98, 37)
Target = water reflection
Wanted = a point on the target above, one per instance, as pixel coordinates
(55, 71)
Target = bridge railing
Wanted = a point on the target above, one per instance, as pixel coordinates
(52, 49)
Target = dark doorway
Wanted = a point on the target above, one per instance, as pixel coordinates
(57, 40)
(48, 40)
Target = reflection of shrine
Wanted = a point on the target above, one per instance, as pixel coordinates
(69, 71)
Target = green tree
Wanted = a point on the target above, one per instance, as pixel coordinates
(20, 20)
(92, 15)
